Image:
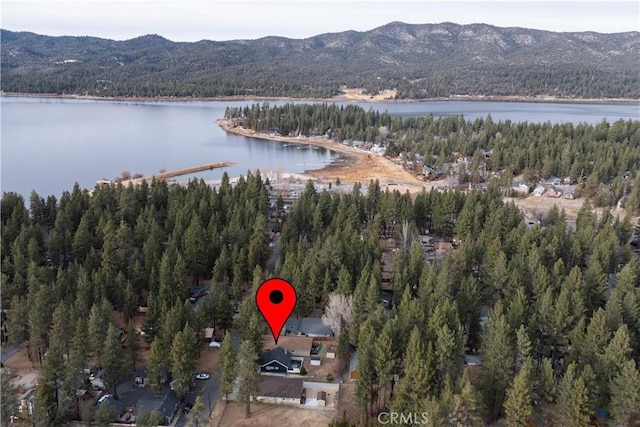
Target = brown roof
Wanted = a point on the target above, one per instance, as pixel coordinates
(291, 343)
(276, 386)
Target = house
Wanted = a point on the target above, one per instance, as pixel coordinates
(520, 187)
(121, 334)
(280, 390)
(353, 365)
(26, 403)
(554, 192)
(539, 190)
(278, 361)
(554, 180)
(313, 327)
(299, 346)
(141, 377)
(471, 360)
(167, 404)
(196, 292)
(434, 174)
(568, 193)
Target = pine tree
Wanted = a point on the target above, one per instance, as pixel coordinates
(97, 330)
(196, 415)
(573, 400)
(183, 356)
(383, 362)
(417, 381)
(159, 362)
(463, 409)
(248, 376)
(546, 381)
(497, 360)
(625, 393)
(106, 414)
(366, 368)
(228, 366)
(132, 347)
(8, 398)
(518, 406)
(113, 360)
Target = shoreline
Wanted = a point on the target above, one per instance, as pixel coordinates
(339, 98)
(360, 165)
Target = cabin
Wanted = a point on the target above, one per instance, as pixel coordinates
(554, 192)
(539, 190)
(280, 390)
(520, 187)
(277, 361)
(313, 327)
(299, 346)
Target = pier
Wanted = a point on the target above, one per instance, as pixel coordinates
(173, 173)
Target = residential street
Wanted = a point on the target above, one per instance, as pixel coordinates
(208, 389)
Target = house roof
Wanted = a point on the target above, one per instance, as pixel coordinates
(310, 326)
(119, 406)
(353, 362)
(141, 373)
(278, 354)
(292, 343)
(271, 386)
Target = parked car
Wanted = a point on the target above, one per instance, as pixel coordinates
(214, 344)
(103, 398)
(187, 407)
(217, 338)
(202, 376)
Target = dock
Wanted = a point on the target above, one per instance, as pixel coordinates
(173, 173)
(188, 170)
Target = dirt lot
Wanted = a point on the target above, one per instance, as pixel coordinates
(347, 403)
(22, 371)
(319, 373)
(264, 415)
(359, 95)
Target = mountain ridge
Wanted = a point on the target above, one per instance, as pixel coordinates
(418, 60)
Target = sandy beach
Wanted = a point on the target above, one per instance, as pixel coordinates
(355, 165)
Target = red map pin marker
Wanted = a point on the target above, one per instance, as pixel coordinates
(276, 299)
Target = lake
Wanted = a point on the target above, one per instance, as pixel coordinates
(48, 144)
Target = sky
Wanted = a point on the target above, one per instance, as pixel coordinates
(193, 20)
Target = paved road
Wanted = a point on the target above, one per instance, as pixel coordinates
(7, 351)
(208, 389)
(275, 255)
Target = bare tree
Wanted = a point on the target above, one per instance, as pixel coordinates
(338, 312)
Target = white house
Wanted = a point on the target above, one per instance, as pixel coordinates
(539, 190)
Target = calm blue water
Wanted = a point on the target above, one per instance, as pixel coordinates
(48, 144)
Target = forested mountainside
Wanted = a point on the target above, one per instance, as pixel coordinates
(419, 61)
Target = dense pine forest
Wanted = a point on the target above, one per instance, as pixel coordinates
(604, 159)
(560, 340)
